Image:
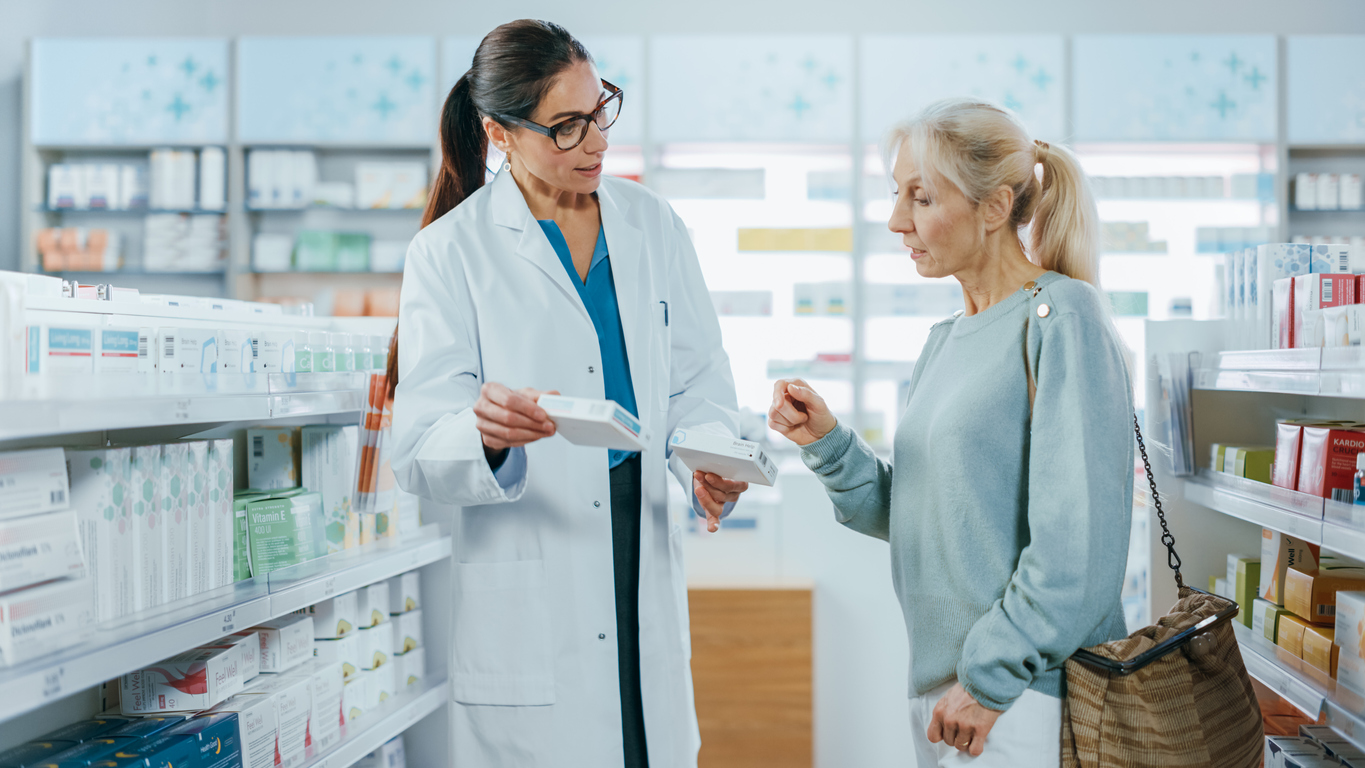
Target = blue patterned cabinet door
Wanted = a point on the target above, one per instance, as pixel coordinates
(129, 91)
(1174, 87)
(902, 74)
(619, 59)
(1326, 89)
(350, 90)
(742, 88)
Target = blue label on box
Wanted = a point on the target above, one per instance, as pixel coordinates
(168, 751)
(119, 343)
(215, 737)
(85, 730)
(33, 752)
(34, 348)
(68, 341)
(143, 727)
(88, 752)
(624, 418)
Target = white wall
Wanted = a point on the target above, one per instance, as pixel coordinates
(22, 19)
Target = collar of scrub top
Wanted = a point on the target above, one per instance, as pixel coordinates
(627, 260)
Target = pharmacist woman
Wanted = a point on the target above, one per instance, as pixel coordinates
(1010, 486)
(571, 643)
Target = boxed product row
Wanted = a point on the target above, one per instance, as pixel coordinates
(285, 178)
(1316, 746)
(1313, 456)
(396, 601)
(63, 351)
(1251, 275)
(165, 181)
(1128, 237)
(1244, 186)
(1357, 241)
(368, 302)
(1224, 239)
(1328, 192)
(204, 740)
(391, 755)
(184, 242)
(77, 248)
(326, 251)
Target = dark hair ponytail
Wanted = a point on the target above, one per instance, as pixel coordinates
(513, 68)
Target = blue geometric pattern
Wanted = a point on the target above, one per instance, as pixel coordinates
(1174, 87)
(377, 90)
(751, 88)
(902, 74)
(122, 91)
(1326, 89)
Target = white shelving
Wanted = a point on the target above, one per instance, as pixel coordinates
(379, 725)
(1307, 688)
(151, 400)
(133, 642)
(1297, 514)
(1330, 372)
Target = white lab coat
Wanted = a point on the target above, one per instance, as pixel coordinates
(486, 299)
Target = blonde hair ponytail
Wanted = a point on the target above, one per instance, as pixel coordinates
(1064, 233)
(980, 147)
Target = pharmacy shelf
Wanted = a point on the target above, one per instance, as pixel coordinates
(1297, 514)
(335, 208)
(1308, 689)
(136, 400)
(123, 645)
(132, 211)
(1330, 372)
(378, 726)
(137, 272)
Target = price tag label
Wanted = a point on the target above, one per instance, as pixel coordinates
(286, 403)
(182, 410)
(230, 621)
(329, 587)
(52, 683)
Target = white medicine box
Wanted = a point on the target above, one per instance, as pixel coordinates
(728, 457)
(594, 423)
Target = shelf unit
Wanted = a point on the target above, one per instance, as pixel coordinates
(393, 717)
(1238, 396)
(133, 642)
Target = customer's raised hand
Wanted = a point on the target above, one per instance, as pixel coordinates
(799, 413)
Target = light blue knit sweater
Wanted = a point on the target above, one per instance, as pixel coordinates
(1009, 535)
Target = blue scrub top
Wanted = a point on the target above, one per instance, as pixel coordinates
(598, 293)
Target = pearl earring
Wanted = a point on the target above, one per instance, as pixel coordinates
(507, 162)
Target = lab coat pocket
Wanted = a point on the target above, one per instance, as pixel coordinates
(503, 635)
(660, 355)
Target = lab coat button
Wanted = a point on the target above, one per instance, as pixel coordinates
(601, 637)
(591, 369)
(597, 503)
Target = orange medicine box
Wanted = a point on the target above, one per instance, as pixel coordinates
(1319, 650)
(1312, 594)
(1289, 636)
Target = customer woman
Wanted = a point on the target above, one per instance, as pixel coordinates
(1007, 511)
(569, 607)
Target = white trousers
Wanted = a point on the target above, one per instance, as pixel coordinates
(1028, 735)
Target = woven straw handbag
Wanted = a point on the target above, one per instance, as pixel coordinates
(1173, 694)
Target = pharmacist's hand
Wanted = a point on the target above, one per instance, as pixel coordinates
(509, 419)
(961, 722)
(714, 491)
(799, 413)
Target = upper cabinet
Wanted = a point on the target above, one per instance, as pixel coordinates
(129, 91)
(792, 88)
(1326, 89)
(1174, 87)
(337, 90)
(902, 74)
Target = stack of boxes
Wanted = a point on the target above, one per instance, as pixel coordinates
(1328, 192)
(1299, 296)
(1318, 457)
(47, 593)
(112, 741)
(372, 638)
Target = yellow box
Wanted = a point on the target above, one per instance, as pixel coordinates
(1289, 635)
(1319, 650)
(830, 239)
(1312, 595)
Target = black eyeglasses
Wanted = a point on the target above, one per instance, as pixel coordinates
(569, 133)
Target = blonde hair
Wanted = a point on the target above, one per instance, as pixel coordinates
(979, 147)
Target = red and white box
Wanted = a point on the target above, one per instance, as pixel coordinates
(188, 682)
(1327, 464)
(1318, 291)
(1285, 320)
(1288, 442)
